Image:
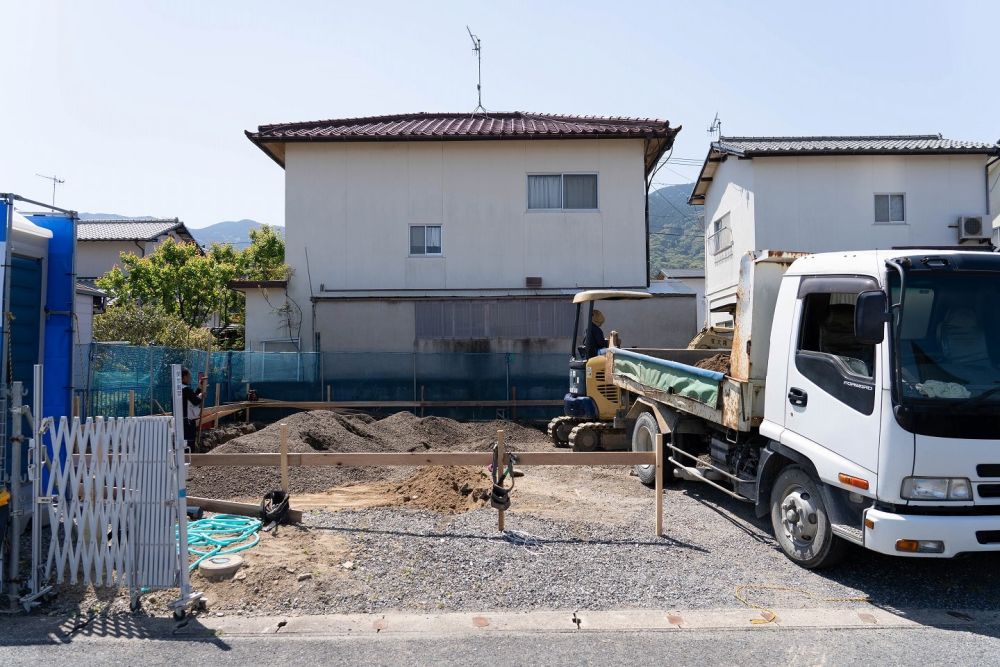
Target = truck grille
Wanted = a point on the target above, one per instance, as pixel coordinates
(988, 469)
(988, 536)
(988, 490)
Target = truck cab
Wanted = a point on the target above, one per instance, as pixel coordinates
(884, 374)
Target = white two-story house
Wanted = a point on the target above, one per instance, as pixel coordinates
(819, 194)
(458, 232)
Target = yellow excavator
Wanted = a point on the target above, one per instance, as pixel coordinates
(593, 415)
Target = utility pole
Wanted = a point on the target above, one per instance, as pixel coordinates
(55, 181)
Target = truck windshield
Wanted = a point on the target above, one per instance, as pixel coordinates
(947, 338)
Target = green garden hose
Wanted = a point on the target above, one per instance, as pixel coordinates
(221, 534)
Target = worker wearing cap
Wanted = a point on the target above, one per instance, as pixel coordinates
(595, 339)
(192, 405)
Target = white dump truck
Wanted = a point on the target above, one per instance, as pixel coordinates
(861, 402)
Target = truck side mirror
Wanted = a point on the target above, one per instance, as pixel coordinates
(871, 312)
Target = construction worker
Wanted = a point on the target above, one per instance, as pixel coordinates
(595, 339)
(192, 405)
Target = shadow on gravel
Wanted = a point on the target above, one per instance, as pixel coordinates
(539, 541)
(31, 630)
(958, 587)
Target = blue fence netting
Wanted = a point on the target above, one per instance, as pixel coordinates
(107, 374)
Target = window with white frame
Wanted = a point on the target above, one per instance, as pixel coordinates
(425, 240)
(721, 238)
(548, 192)
(890, 207)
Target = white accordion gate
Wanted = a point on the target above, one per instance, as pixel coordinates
(113, 491)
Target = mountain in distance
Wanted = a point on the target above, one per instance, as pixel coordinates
(233, 232)
(676, 229)
(114, 216)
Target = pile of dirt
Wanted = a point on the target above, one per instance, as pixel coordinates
(717, 362)
(449, 490)
(220, 436)
(325, 431)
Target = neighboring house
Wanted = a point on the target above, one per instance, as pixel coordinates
(820, 194)
(694, 279)
(90, 301)
(458, 232)
(99, 243)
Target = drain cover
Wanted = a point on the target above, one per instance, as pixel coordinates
(220, 566)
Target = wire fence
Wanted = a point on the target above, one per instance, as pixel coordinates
(107, 376)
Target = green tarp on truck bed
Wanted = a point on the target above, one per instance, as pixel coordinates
(669, 377)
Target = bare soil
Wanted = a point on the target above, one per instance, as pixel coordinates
(717, 362)
(326, 431)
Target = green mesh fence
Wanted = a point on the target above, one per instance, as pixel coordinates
(106, 374)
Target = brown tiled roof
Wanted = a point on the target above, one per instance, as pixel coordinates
(463, 127)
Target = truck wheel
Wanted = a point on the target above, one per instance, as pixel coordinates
(644, 440)
(800, 521)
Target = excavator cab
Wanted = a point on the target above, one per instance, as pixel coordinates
(587, 423)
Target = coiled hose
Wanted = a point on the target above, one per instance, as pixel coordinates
(221, 534)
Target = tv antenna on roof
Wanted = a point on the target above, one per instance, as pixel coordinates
(477, 48)
(716, 127)
(55, 181)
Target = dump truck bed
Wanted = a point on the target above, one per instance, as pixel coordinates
(670, 377)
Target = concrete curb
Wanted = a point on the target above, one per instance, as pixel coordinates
(44, 630)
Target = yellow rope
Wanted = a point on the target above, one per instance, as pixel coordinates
(769, 615)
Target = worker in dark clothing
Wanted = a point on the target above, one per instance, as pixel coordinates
(192, 405)
(595, 339)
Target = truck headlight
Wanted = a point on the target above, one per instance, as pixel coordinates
(936, 488)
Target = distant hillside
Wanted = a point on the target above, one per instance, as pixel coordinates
(234, 232)
(114, 216)
(676, 230)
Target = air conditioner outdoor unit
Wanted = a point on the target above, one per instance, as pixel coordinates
(971, 228)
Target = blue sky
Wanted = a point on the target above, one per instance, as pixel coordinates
(141, 106)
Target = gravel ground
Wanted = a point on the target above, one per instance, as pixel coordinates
(426, 561)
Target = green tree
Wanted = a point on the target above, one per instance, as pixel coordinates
(146, 324)
(182, 281)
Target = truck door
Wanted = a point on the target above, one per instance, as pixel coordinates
(831, 401)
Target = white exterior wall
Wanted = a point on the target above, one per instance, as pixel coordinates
(267, 317)
(84, 310)
(351, 205)
(732, 192)
(826, 203)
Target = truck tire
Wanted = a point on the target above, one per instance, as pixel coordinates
(644, 440)
(800, 521)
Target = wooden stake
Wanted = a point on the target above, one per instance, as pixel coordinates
(421, 400)
(76, 406)
(131, 402)
(284, 456)
(218, 401)
(513, 409)
(659, 484)
(502, 463)
(327, 393)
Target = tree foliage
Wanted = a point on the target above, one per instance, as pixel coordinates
(676, 230)
(188, 284)
(149, 325)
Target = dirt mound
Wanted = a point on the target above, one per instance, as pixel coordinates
(717, 362)
(325, 431)
(450, 490)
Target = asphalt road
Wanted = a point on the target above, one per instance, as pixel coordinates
(733, 647)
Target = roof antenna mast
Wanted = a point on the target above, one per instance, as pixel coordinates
(715, 129)
(477, 48)
(55, 181)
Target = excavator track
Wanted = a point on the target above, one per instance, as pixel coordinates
(560, 428)
(597, 437)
